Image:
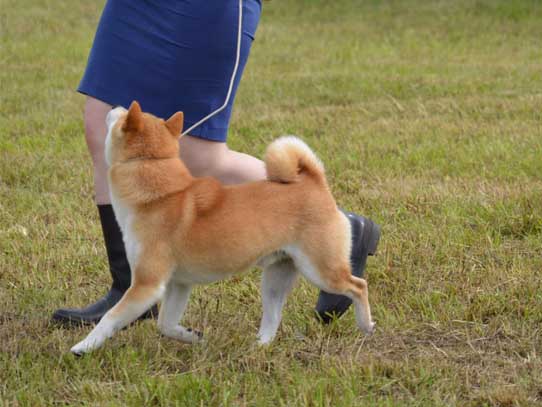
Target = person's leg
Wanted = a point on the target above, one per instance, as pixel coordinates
(202, 157)
(95, 133)
(209, 158)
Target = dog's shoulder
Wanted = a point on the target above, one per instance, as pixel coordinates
(207, 193)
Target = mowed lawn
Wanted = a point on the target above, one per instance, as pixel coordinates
(427, 116)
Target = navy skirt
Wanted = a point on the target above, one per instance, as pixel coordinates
(171, 55)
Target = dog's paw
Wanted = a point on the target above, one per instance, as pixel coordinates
(265, 340)
(194, 336)
(370, 328)
(80, 349)
(180, 333)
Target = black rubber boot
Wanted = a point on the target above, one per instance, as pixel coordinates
(365, 237)
(120, 272)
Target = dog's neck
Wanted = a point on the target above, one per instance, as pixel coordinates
(143, 180)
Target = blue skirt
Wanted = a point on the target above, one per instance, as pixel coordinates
(171, 55)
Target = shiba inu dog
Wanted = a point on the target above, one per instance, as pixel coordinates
(180, 231)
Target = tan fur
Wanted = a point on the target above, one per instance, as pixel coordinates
(232, 226)
(286, 159)
(188, 230)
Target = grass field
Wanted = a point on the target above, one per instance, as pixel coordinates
(428, 117)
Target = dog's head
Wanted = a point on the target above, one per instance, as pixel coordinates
(132, 134)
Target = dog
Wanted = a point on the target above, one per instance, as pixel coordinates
(180, 230)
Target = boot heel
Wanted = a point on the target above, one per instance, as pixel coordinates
(373, 239)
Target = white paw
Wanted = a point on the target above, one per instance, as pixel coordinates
(369, 328)
(265, 340)
(192, 336)
(81, 348)
(182, 334)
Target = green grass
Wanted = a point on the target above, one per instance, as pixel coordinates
(427, 115)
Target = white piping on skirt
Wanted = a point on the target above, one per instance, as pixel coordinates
(238, 53)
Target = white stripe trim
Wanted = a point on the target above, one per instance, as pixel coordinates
(238, 53)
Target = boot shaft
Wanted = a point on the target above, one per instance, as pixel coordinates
(114, 245)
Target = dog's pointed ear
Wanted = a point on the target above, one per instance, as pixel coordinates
(175, 124)
(134, 119)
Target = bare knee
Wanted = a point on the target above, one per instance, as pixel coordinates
(204, 158)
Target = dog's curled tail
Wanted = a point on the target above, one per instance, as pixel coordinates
(287, 157)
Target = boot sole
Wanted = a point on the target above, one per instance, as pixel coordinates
(69, 321)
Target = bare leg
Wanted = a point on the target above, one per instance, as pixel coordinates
(171, 312)
(277, 281)
(95, 132)
(210, 158)
(202, 157)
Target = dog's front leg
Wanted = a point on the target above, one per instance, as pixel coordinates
(277, 281)
(171, 312)
(137, 299)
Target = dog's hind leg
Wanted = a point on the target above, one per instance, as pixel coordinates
(172, 310)
(343, 283)
(277, 281)
(359, 294)
(337, 279)
(340, 281)
(145, 291)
